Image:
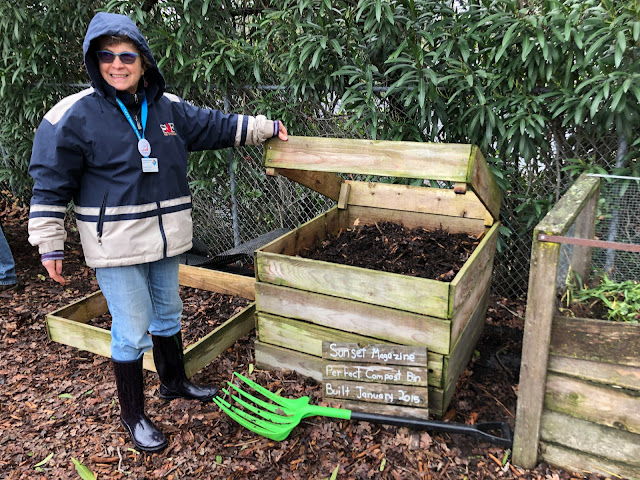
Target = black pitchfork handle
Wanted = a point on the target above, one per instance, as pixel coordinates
(479, 431)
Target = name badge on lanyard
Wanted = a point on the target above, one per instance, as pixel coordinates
(149, 165)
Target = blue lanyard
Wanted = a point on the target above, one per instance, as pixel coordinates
(143, 114)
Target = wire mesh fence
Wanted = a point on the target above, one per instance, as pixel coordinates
(234, 201)
(618, 221)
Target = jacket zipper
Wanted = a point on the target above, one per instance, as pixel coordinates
(161, 226)
(101, 215)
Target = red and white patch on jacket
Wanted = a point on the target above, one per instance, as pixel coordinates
(168, 129)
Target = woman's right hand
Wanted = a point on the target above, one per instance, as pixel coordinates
(54, 268)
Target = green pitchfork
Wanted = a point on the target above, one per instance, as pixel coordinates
(276, 418)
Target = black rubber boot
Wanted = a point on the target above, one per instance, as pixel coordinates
(130, 385)
(169, 360)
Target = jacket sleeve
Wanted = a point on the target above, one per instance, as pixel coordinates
(210, 129)
(56, 167)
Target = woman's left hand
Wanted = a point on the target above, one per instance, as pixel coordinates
(282, 132)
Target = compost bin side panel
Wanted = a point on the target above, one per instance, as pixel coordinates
(606, 373)
(597, 340)
(271, 357)
(462, 350)
(602, 404)
(307, 338)
(307, 235)
(418, 295)
(462, 316)
(428, 221)
(599, 446)
(468, 276)
(434, 201)
(394, 326)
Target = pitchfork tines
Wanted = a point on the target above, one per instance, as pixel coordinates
(273, 417)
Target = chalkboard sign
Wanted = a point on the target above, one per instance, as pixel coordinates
(375, 374)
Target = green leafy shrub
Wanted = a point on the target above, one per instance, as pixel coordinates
(621, 300)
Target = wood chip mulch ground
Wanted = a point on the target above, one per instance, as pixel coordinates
(58, 403)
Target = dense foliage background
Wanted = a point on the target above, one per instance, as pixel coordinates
(547, 89)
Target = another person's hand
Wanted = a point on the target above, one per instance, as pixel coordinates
(282, 132)
(54, 268)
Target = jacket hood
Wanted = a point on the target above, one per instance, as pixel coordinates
(115, 24)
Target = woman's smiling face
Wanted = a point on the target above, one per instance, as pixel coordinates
(121, 76)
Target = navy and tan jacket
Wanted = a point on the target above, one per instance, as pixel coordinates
(85, 150)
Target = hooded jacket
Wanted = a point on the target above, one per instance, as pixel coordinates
(85, 150)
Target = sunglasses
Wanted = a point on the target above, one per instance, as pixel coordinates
(105, 56)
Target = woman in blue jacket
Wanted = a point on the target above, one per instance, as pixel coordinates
(119, 151)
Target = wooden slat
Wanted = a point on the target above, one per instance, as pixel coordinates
(325, 183)
(607, 373)
(564, 213)
(82, 336)
(435, 161)
(271, 357)
(471, 272)
(308, 234)
(215, 281)
(394, 326)
(301, 336)
(462, 350)
(610, 444)
(85, 309)
(79, 335)
(418, 295)
(581, 462)
(371, 215)
(200, 354)
(462, 316)
(483, 182)
(535, 351)
(598, 340)
(308, 338)
(436, 201)
(611, 407)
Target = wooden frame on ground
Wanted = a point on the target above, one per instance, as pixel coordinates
(69, 325)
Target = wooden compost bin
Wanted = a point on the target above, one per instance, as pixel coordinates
(579, 394)
(301, 302)
(69, 325)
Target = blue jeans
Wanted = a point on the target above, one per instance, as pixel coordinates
(141, 298)
(7, 265)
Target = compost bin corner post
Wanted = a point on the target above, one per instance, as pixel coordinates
(535, 352)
